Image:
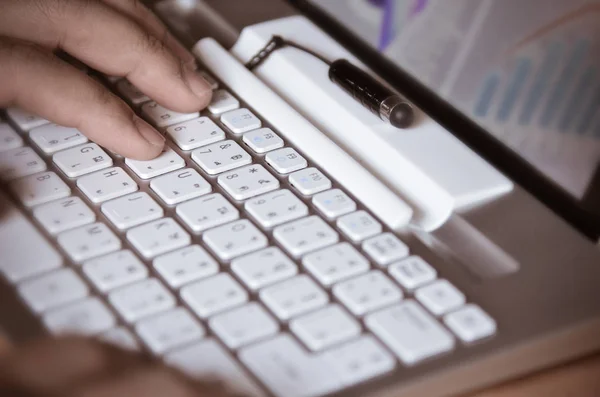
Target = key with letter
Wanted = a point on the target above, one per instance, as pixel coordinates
(39, 188)
(158, 237)
(142, 299)
(82, 160)
(132, 210)
(89, 241)
(52, 137)
(20, 162)
(180, 186)
(106, 184)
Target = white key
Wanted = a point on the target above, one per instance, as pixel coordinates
(131, 93)
(185, 265)
(207, 212)
(220, 157)
(240, 120)
(115, 270)
(39, 188)
(263, 268)
(88, 241)
(25, 120)
(385, 249)
(88, 317)
(169, 330)
(411, 333)
(52, 290)
(132, 210)
(335, 263)
(470, 323)
(9, 139)
(142, 299)
(223, 101)
(120, 337)
(162, 117)
(234, 239)
(288, 370)
(20, 162)
(309, 181)
(167, 161)
(82, 160)
(333, 203)
(195, 133)
(158, 237)
(293, 297)
(106, 185)
(215, 365)
(305, 235)
(53, 137)
(360, 360)
(413, 272)
(325, 327)
(275, 208)
(262, 140)
(246, 324)
(359, 225)
(248, 181)
(368, 292)
(180, 186)
(62, 215)
(215, 294)
(209, 79)
(286, 160)
(440, 297)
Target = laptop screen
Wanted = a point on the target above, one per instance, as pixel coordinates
(526, 71)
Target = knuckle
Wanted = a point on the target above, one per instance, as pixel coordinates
(59, 9)
(150, 44)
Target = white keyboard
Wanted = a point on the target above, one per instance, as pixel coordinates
(231, 255)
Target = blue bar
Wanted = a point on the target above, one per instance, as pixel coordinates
(490, 86)
(576, 102)
(592, 110)
(515, 86)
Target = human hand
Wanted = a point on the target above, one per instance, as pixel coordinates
(116, 37)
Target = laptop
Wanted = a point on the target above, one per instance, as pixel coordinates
(288, 242)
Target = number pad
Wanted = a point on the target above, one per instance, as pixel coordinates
(215, 294)
(293, 297)
(9, 139)
(264, 267)
(240, 120)
(58, 216)
(234, 239)
(310, 181)
(115, 270)
(276, 208)
(168, 161)
(132, 210)
(142, 299)
(247, 182)
(185, 265)
(305, 235)
(52, 137)
(82, 160)
(223, 101)
(334, 203)
(207, 212)
(158, 237)
(262, 140)
(335, 263)
(220, 157)
(368, 292)
(180, 186)
(106, 185)
(195, 133)
(89, 241)
(39, 189)
(162, 117)
(20, 162)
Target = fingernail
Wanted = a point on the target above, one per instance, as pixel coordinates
(150, 134)
(199, 86)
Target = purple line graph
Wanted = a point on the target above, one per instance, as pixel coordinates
(391, 20)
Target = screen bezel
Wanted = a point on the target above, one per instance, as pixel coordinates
(468, 131)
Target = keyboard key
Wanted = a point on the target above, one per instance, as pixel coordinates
(195, 133)
(368, 292)
(9, 139)
(359, 225)
(106, 185)
(20, 162)
(142, 299)
(162, 117)
(325, 327)
(220, 157)
(413, 272)
(89, 241)
(25, 120)
(248, 181)
(234, 239)
(288, 370)
(263, 268)
(82, 160)
(440, 297)
(39, 188)
(209, 79)
(293, 297)
(223, 101)
(309, 181)
(470, 323)
(51, 138)
(62, 215)
(158, 237)
(215, 294)
(262, 140)
(132, 210)
(120, 337)
(240, 120)
(180, 186)
(115, 270)
(244, 325)
(185, 265)
(131, 93)
(168, 161)
(411, 333)
(385, 249)
(275, 208)
(305, 235)
(286, 160)
(335, 263)
(360, 360)
(88, 317)
(207, 212)
(52, 290)
(333, 203)
(169, 330)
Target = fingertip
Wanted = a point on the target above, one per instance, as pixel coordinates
(198, 85)
(155, 141)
